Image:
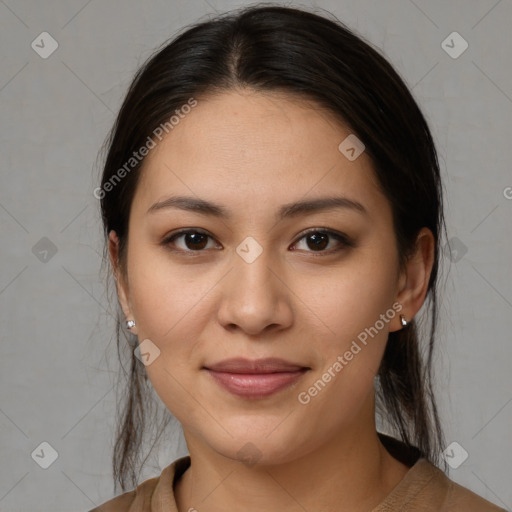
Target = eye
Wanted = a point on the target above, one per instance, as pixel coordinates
(193, 240)
(317, 240)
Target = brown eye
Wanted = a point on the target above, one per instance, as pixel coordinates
(191, 240)
(195, 240)
(317, 240)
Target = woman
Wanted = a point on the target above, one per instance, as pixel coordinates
(272, 204)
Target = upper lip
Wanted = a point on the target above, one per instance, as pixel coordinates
(242, 365)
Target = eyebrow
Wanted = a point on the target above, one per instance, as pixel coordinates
(294, 209)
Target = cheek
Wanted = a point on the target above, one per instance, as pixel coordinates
(355, 306)
(351, 297)
(170, 304)
(337, 392)
(165, 296)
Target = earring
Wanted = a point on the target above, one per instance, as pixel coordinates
(403, 321)
(130, 323)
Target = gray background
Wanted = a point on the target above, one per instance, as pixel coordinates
(58, 361)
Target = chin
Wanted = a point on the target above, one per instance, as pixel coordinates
(261, 449)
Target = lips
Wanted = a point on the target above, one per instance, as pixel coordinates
(241, 365)
(255, 378)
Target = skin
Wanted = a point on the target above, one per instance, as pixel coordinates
(252, 152)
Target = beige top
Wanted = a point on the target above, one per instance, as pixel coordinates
(423, 488)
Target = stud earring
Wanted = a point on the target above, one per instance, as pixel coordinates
(403, 321)
(130, 323)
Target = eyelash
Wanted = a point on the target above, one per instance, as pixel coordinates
(344, 240)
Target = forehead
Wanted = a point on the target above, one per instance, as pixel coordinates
(254, 150)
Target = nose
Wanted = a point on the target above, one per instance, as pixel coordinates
(255, 297)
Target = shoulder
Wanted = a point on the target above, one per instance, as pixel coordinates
(157, 493)
(121, 503)
(461, 498)
(130, 501)
(425, 487)
(449, 495)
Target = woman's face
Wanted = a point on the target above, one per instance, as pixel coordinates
(253, 284)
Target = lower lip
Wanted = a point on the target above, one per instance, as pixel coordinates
(256, 385)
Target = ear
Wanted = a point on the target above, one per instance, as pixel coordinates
(414, 279)
(121, 284)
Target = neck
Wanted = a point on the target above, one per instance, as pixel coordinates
(352, 472)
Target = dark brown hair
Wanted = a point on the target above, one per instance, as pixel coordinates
(272, 48)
